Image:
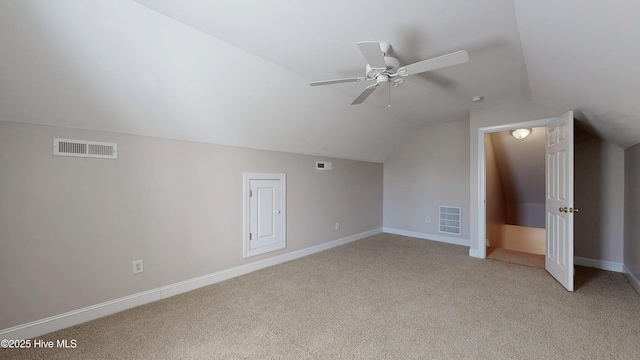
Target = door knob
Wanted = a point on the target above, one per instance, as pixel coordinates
(564, 209)
(572, 210)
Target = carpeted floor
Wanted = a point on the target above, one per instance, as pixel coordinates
(383, 297)
(516, 257)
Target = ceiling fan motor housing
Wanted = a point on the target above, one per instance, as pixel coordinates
(382, 79)
(392, 66)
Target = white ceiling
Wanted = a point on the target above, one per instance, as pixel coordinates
(583, 55)
(242, 77)
(317, 39)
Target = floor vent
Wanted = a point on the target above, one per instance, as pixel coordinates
(83, 148)
(450, 219)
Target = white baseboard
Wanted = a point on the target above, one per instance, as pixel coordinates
(71, 318)
(598, 264)
(445, 239)
(632, 279)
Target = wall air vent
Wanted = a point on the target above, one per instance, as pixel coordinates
(84, 148)
(450, 220)
(323, 165)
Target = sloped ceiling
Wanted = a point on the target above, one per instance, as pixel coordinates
(317, 39)
(584, 56)
(237, 72)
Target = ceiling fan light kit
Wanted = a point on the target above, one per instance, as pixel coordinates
(384, 68)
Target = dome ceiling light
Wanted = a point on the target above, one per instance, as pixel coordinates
(520, 133)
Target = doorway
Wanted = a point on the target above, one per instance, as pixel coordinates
(515, 196)
(559, 189)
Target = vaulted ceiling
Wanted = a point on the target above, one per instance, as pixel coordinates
(237, 72)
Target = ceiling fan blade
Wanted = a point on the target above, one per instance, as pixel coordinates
(365, 94)
(337, 81)
(373, 54)
(455, 58)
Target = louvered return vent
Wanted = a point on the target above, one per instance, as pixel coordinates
(84, 148)
(450, 220)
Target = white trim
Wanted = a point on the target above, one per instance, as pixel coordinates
(79, 316)
(632, 279)
(71, 318)
(598, 264)
(475, 253)
(439, 238)
(481, 251)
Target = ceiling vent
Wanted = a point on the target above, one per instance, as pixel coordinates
(450, 220)
(84, 148)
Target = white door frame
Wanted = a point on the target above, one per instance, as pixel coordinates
(482, 173)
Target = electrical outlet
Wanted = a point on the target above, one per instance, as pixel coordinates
(138, 266)
(428, 219)
(337, 226)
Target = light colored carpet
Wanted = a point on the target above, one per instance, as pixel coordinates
(383, 297)
(516, 257)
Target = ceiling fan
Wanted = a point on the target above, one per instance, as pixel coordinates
(385, 69)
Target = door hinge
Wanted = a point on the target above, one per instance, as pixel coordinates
(250, 193)
(249, 236)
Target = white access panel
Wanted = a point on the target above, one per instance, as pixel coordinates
(265, 227)
(265, 215)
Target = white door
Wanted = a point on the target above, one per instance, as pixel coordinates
(264, 213)
(265, 229)
(559, 199)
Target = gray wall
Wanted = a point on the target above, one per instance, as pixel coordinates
(70, 227)
(431, 170)
(427, 172)
(599, 195)
(632, 210)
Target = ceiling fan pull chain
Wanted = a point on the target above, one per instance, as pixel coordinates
(389, 95)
